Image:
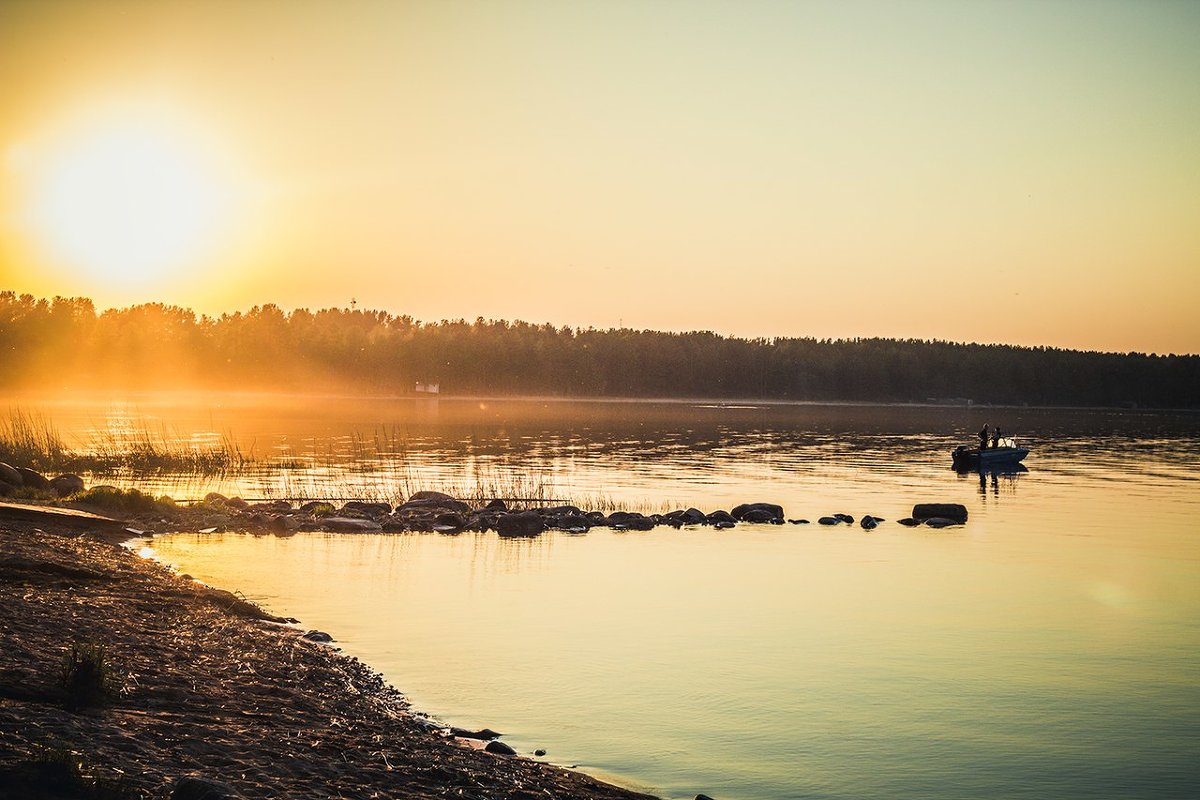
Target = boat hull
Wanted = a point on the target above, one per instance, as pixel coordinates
(993, 456)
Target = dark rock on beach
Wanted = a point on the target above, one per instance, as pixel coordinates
(499, 748)
(10, 475)
(193, 788)
(66, 485)
(483, 734)
(33, 479)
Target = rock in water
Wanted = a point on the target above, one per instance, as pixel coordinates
(954, 511)
(500, 748)
(758, 509)
(520, 523)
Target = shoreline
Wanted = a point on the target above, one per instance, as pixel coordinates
(208, 689)
(254, 398)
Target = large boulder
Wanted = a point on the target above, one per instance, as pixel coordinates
(760, 515)
(690, 516)
(34, 480)
(10, 475)
(65, 485)
(520, 523)
(953, 511)
(740, 512)
(630, 520)
(443, 502)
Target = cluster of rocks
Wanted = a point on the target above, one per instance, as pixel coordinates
(441, 513)
(438, 512)
(14, 478)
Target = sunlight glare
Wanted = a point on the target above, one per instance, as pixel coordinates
(130, 203)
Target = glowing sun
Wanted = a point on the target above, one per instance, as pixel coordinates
(130, 203)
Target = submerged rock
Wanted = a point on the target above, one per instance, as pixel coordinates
(349, 524)
(829, 521)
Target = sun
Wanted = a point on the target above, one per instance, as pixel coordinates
(130, 202)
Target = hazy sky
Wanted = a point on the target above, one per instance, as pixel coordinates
(1024, 172)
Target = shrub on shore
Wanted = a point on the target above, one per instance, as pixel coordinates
(110, 498)
(55, 772)
(87, 678)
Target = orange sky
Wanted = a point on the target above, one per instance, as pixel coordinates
(1022, 172)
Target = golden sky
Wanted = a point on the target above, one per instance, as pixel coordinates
(1021, 172)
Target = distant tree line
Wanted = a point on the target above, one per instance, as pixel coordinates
(64, 343)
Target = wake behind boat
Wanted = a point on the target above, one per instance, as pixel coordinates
(1006, 451)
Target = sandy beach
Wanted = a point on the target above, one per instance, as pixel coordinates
(208, 687)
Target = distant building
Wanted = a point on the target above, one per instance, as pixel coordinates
(428, 388)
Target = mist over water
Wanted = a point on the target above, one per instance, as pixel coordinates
(1046, 649)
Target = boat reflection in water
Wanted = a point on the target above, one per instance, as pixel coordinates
(990, 475)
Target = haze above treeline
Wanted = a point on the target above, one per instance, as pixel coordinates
(65, 344)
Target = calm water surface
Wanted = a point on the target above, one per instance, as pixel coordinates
(1048, 649)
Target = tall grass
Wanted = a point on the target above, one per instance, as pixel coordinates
(378, 468)
(31, 440)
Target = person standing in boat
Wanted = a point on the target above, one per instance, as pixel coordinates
(983, 437)
(996, 438)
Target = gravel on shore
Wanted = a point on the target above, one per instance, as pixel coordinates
(205, 686)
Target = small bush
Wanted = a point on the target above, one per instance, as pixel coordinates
(114, 499)
(58, 772)
(87, 679)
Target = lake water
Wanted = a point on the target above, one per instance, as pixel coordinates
(1050, 648)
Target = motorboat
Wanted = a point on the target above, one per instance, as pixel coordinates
(1006, 452)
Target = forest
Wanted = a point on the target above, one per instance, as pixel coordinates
(63, 343)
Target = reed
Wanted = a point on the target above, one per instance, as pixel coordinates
(31, 439)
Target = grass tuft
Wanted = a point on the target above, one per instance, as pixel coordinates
(110, 498)
(87, 678)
